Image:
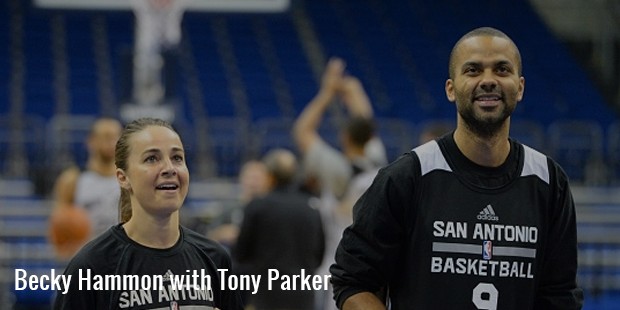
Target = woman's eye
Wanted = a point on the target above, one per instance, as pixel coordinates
(178, 158)
(150, 159)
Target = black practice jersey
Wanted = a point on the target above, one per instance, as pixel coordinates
(95, 272)
(440, 232)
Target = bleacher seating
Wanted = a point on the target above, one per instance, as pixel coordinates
(529, 132)
(273, 133)
(613, 151)
(39, 71)
(576, 145)
(23, 244)
(229, 141)
(66, 138)
(397, 135)
(21, 144)
(401, 60)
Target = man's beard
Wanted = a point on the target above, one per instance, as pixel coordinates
(484, 127)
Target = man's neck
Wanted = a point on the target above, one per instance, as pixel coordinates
(485, 151)
(353, 152)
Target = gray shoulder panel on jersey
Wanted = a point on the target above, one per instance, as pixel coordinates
(535, 163)
(431, 157)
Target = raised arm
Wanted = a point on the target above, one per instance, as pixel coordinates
(305, 129)
(358, 104)
(355, 98)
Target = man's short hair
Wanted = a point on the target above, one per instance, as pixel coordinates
(360, 130)
(482, 32)
(282, 165)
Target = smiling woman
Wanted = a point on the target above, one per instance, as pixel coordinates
(123, 152)
(154, 180)
(152, 172)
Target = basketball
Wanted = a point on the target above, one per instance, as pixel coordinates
(69, 229)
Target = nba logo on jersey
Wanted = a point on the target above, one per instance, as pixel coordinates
(487, 249)
(174, 305)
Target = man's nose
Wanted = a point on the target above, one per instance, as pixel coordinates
(489, 82)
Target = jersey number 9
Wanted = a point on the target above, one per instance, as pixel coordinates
(485, 296)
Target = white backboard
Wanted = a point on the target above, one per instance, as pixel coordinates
(257, 6)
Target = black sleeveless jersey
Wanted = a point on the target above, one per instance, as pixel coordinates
(440, 232)
(115, 272)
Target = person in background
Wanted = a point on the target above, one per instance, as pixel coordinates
(154, 180)
(471, 220)
(281, 231)
(329, 171)
(93, 187)
(253, 183)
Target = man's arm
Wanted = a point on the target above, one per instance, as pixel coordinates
(320, 253)
(358, 105)
(305, 129)
(355, 98)
(363, 301)
(558, 286)
(371, 248)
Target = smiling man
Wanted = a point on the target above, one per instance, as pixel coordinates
(486, 82)
(471, 220)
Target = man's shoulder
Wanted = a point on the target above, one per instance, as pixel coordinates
(281, 198)
(539, 164)
(429, 157)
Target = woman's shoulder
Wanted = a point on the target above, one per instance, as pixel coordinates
(212, 248)
(99, 252)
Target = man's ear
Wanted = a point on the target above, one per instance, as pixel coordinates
(122, 179)
(521, 89)
(450, 90)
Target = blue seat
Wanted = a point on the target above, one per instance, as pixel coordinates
(21, 140)
(67, 135)
(613, 152)
(398, 136)
(576, 145)
(530, 133)
(228, 141)
(271, 133)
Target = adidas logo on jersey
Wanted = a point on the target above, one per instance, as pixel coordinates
(488, 214)
(167, 275)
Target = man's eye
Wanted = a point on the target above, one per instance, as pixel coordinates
(178, 158)
(471, 70)
(150, 159)
(504, 69)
